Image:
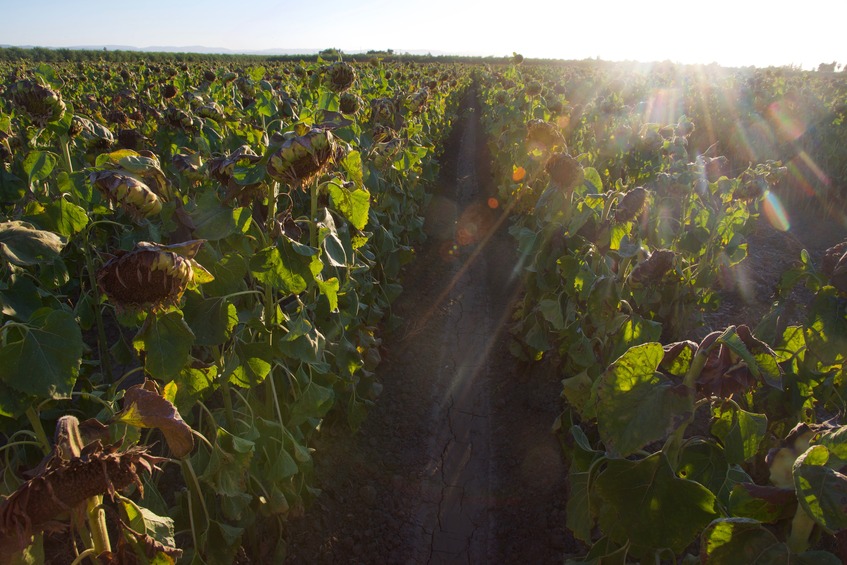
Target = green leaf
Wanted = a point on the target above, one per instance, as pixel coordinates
(740, 432)
(165, 340)
(22, 244)
(39, 164)
(62, 217)
(703, 462)
(742, 541)
(313, 402)
(580, 514)
(635, 331)
(826, 335)
(352, 204)
(329, 289)
(254, 364)
(637, 405)
(352, 165)
(211, 319)
(644, 503)
(281, 268)
(21, 299)
(821, 490)
(214, 221)
(44, 361)
(593, 180)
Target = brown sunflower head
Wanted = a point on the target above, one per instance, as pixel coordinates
(382, 111)
(349, 103)
(127, 192)
(151, 275)
(340, 76)
(654, 268)
(544, 135)
(631, 204)
(40, 102)
(564, 170)
(302, 157)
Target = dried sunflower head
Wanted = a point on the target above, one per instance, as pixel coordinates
(544, 135)
(151, 275)
(654, 268)
(128, 192)
(631, 204)
(340, 76)
(40, 102)
(382, 111)
(417, 101)
(349, 103)
(564, 170)
(302, 157)
(834, 266)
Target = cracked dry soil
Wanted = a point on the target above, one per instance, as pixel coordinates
(456, 463)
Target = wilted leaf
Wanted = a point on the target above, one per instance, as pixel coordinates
(145, 408)
(23, 244)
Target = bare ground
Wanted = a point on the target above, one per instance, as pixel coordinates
(456, 463)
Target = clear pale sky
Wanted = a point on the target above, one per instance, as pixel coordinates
(731, 33)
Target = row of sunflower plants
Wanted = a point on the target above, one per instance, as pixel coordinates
(625, 233)
(197, 262)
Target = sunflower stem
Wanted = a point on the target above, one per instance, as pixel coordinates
(313, 214)
(97, 524)
(102, 346)
(38, 428)
(66, 153)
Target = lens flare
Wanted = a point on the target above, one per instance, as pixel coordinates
(775, 212)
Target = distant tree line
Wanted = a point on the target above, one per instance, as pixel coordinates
(63, 55)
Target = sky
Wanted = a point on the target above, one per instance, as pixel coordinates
(730, 33)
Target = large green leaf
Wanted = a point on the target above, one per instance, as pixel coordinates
(255, 361)
(39, 164)
(821, 490)
(580, 517)
(60, 216)
(645, 503)
(211, 319)
(742, 541)
(352, 204)
(23, 244)
(636, 404)
(282, 267)
(313, 402)
(740, 432)
(704, 462)
(826, 335)
(44, 360)
(165, 340)
(214, 221)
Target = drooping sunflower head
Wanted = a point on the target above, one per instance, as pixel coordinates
(40, 102)
(631, 204)
(302, 157)
(564, 170)
(340, 76)
(128, 192)
(349, 103)
(150, 275)
(544, 135)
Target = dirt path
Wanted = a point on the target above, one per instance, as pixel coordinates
(456, 462)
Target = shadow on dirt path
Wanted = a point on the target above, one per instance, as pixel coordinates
(456, 462)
